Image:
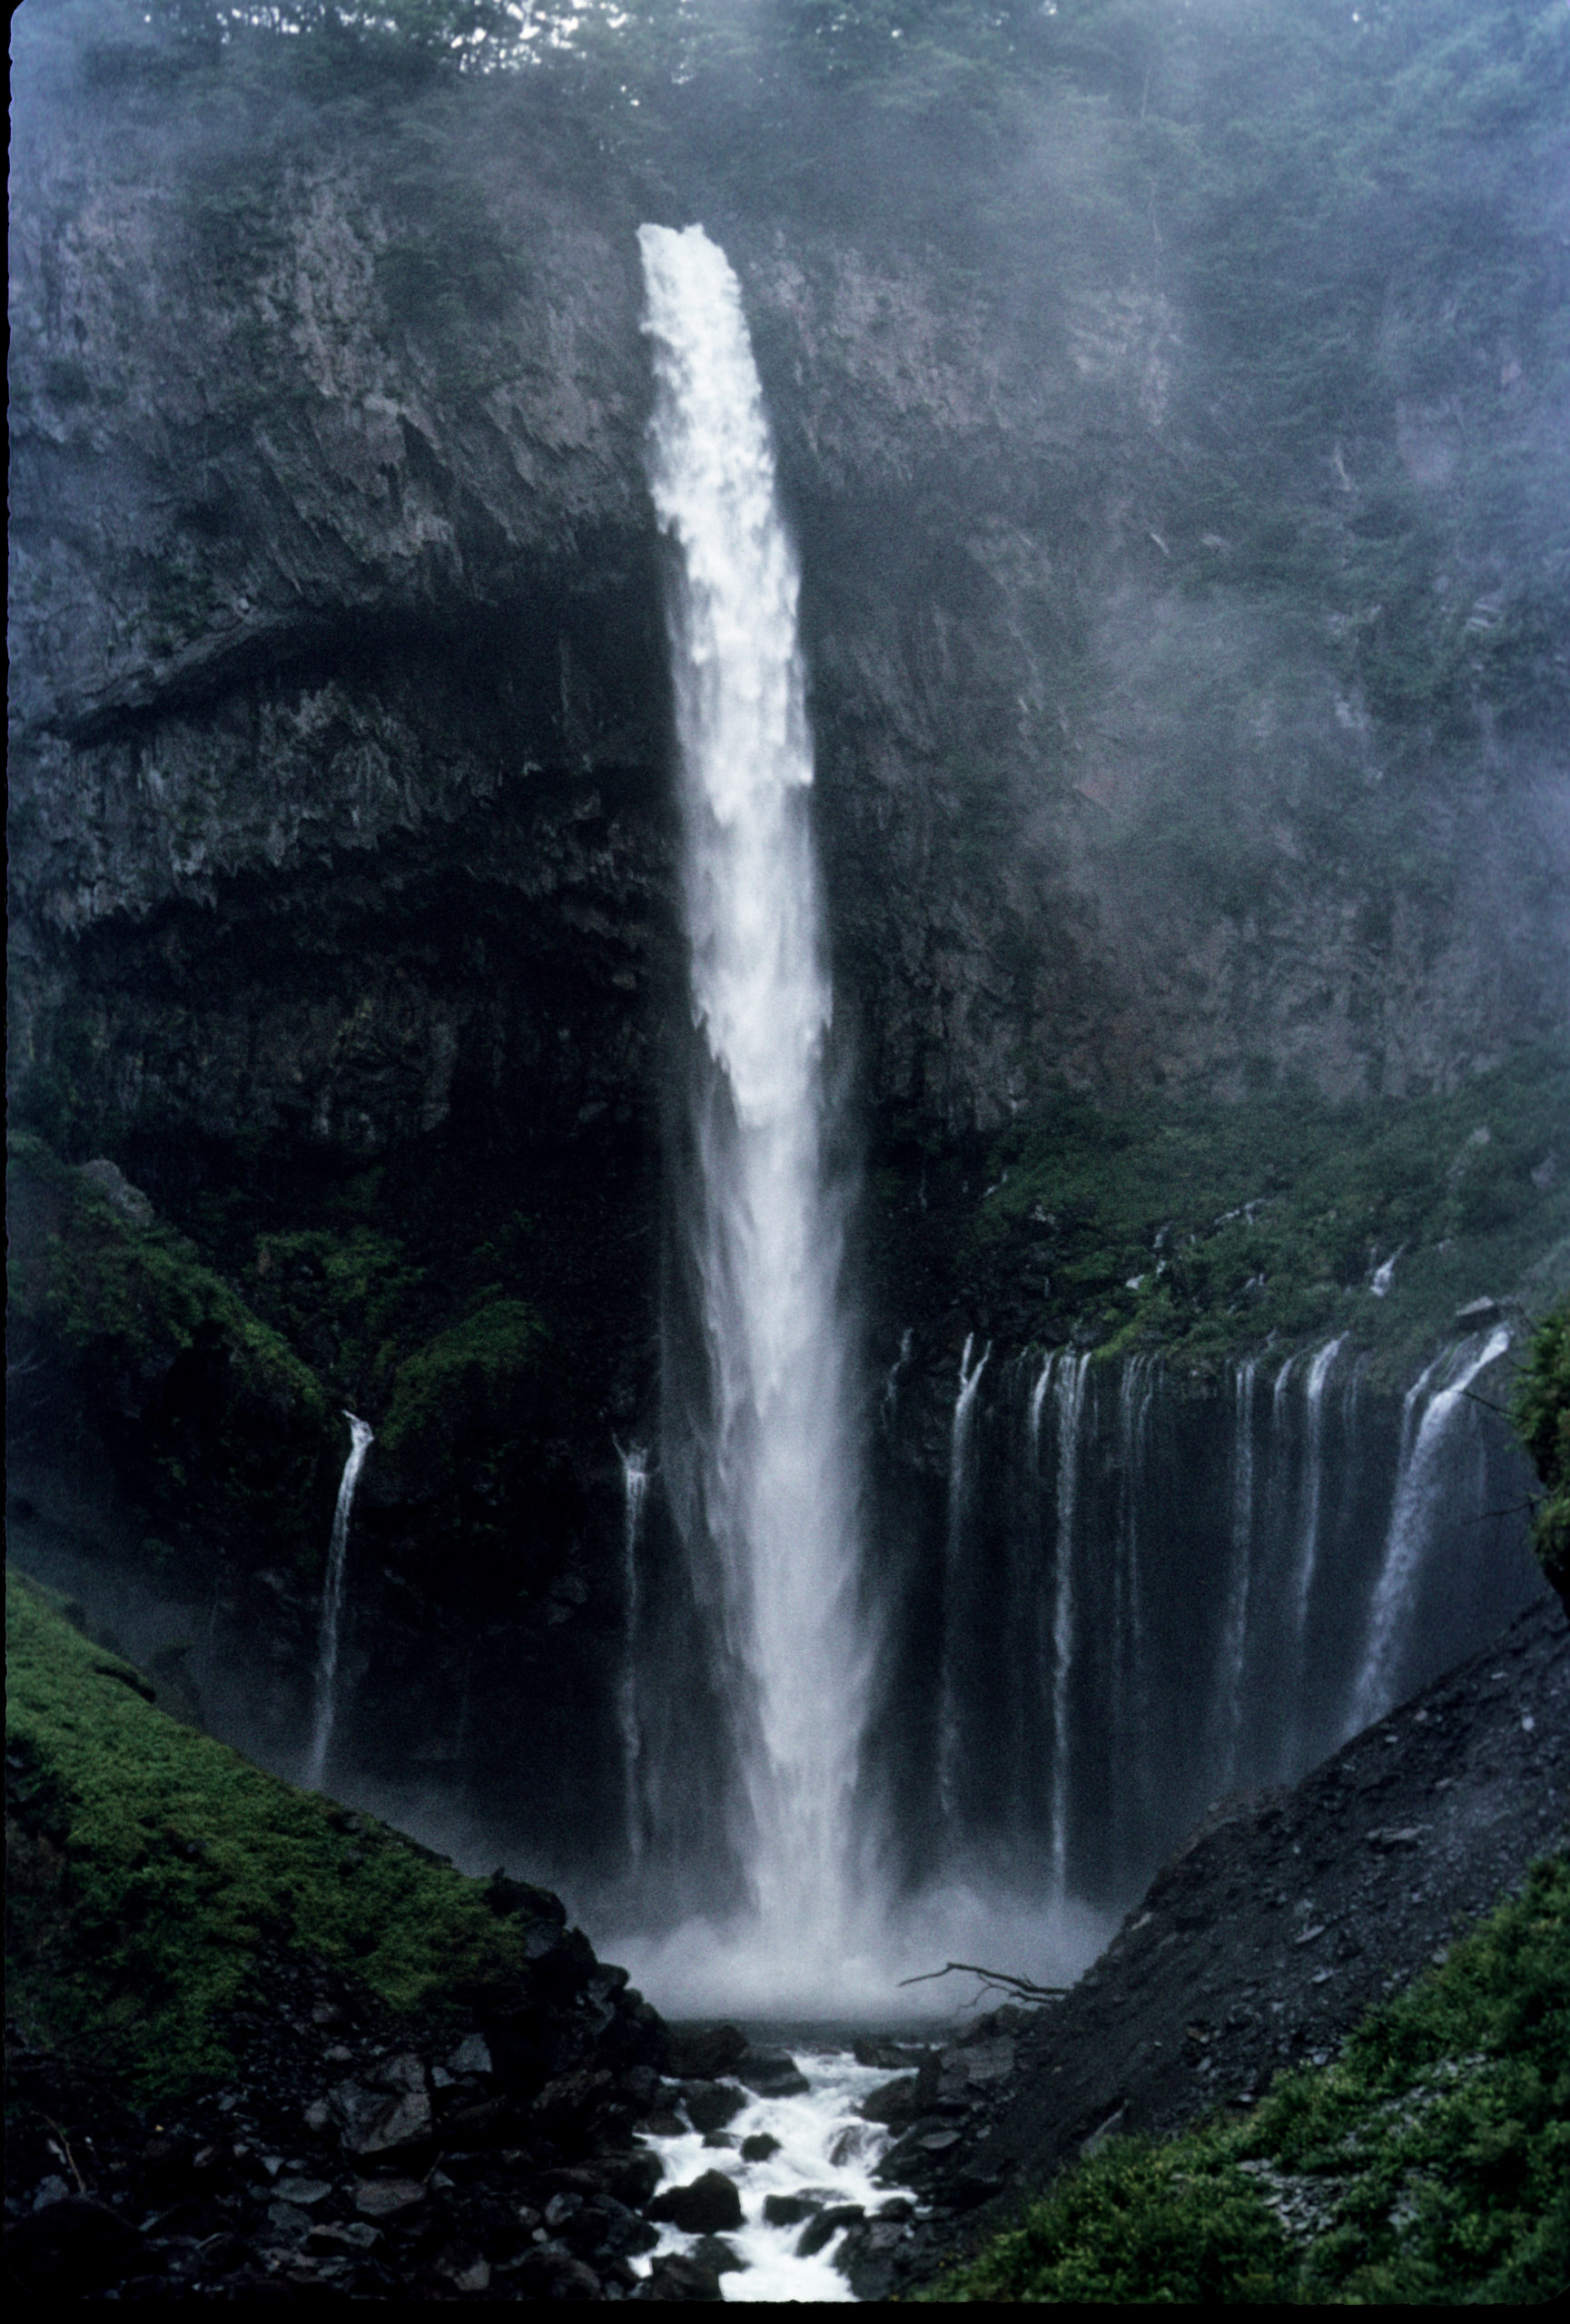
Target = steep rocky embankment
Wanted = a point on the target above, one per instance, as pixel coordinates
(1259, 1946)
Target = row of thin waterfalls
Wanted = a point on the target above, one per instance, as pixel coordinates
(1136, 1596)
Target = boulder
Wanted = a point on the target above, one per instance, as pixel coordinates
(714, 2251)
(710, 2105)
(772, 2074)
(789, 2211)
(893, 2103)
(555, 2274)
(703, 2053)
(825, 2227)
(370, 2122)
(675, 2276)
(702, 2207)
(70, 2249)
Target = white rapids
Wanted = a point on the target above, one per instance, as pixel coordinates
(826, 2154)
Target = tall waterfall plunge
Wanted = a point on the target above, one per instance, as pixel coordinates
(758, 1464)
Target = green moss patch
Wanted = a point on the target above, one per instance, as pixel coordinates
(469, 1378)
(1541, 1412)
(149, 1864)
(1430, 2164)
(1206, 1226)
(222, 1424)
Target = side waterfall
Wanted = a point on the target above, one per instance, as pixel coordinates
(770, 1521)
(959, 1452)
(1235, 1629)
(1070, 1402)
(1419, 1480)
(634, 1486)
(360, 1442)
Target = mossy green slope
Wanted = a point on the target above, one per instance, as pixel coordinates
(151, 1864)
(1205, 1227)
(224, 1428)
(1429, 2165)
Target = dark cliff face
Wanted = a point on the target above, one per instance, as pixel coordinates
(333, 563)
(340, 831)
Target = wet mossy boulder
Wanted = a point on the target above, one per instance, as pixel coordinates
(477, 1380)
(210, 1422)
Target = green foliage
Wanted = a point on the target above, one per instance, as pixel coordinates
(1430, 2163)
(1141, 2222)
(469, 1377)
(355, 1299)
(159, 1861)
(224, 1425)
(1541, 1412)
(1204, 1227)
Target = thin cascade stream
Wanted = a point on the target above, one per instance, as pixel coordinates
(635, 1488)
(1235, 1629)
(959, 1461)
(1419, 1483)
(1071, 1398)
(360, 1440)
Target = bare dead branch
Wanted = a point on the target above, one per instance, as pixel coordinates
(1004, 1979)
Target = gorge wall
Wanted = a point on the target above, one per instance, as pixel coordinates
(340, 829)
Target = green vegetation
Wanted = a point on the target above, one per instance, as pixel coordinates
(225, 1423)
(1202, 1227)
(467, 1378)
(1430, 2164)
(156, 1863)
(1541, 1412)
(353, 1296)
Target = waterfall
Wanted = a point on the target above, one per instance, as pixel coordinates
(1419, 1486)
(891, 1396)
(959, 1447)
(635, 1485)
(1070, 1399)
(771, 1520)
(1313, 1481)
(360, 1442)
(1128, 1722)
(1235, 1628)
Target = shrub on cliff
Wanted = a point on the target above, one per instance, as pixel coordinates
(1540, 1410)
(1430, 2163)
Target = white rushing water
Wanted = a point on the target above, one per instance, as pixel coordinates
(825, 2159)
(360, 1442)
(1313, 1482)
(778, 1487)
(959, 1453)
(1071, 1397)
(1419, 1482)
(635, 1488)
(1234, 1642)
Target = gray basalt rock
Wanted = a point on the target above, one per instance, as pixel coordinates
(704, 2206)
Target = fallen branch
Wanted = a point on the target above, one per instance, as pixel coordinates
(1027, 1989)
